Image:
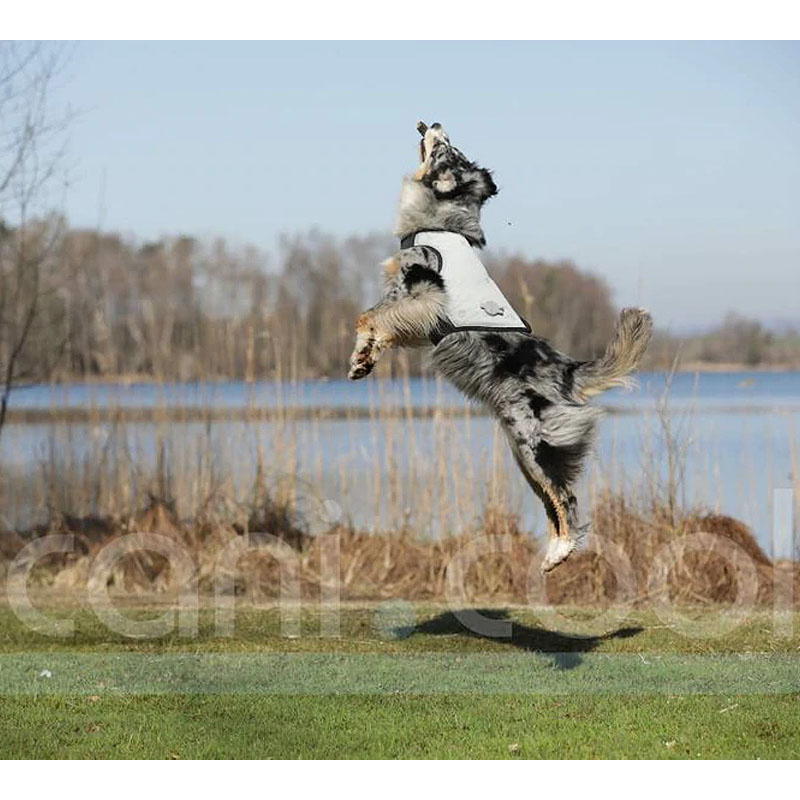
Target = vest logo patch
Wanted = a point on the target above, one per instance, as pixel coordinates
(492, 308)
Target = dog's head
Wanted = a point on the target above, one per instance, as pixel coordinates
(446, 192)
(448, 172)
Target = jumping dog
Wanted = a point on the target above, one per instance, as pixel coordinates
(438, 294)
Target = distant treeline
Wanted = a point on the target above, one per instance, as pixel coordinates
(179, 309)
(737, 341)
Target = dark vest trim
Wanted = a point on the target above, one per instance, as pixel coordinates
(432, 249)
(446, 328)
(409, 242)
(408, 239)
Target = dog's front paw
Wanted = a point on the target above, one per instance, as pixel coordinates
(370, 344)
(359, 370)
(361, 364)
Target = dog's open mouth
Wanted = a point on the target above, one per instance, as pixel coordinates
(430, 136)
(422, 128)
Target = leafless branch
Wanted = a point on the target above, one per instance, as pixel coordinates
(32, 142)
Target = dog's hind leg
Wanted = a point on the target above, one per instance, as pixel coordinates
(550, 452)
(558, 505)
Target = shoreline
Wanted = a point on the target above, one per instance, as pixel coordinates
(708, 366)
(182, 414)
(691, 367)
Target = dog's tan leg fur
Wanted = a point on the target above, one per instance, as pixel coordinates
(390, 268)
(561, 543)
(407, 322)
(371, 342)
(394, 322)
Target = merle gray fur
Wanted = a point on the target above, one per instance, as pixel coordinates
(538, 394)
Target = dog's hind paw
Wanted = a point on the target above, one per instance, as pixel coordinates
(558, 551)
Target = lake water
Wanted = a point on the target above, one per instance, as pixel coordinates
(738, 431)
(712, 391)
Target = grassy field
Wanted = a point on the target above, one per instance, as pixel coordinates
(400, 682)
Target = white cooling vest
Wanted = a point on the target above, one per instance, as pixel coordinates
(474, 302)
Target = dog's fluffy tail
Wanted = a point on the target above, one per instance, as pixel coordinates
(623, 353)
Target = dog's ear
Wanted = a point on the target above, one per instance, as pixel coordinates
(485, 186)
(464, 180)
(452, 175)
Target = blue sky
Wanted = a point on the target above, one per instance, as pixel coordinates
(671, 169)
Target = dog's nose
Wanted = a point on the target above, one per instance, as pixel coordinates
(436, 126)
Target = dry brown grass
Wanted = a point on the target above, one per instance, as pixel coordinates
(397, 565)
(209, 487)
(693, 576)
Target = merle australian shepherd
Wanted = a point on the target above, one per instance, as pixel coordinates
(538, 394)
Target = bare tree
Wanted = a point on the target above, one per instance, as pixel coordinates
(32, 138)
(569, 306)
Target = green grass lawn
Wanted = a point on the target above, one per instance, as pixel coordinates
(400, 682)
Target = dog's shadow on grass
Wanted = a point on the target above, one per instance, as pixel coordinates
(496, 625)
